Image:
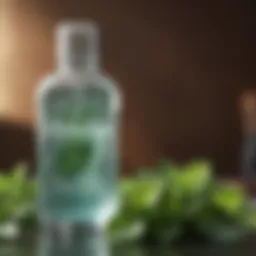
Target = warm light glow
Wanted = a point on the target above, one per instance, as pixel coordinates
(6, 48)
(24, 38)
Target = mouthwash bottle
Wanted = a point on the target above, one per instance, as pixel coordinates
(78, 110)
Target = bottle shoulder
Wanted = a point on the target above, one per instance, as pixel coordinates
(101, 81)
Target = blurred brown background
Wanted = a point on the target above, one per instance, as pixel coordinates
(181, 66)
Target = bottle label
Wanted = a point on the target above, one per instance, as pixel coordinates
(76, 106)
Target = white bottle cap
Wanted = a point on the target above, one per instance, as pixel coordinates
(77, 46)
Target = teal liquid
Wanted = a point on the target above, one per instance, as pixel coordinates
(77, 155)
(78, 180)
(77, 169)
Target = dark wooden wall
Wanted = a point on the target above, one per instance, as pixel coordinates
(181, 66)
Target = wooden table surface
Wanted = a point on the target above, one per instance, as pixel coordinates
(27, 247)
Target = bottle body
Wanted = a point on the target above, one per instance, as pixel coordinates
(78, 149)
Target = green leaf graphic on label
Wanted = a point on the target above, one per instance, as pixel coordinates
(74, 157)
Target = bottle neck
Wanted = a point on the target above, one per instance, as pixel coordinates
(77, 48)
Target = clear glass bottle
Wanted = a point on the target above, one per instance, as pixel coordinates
(78, 110)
